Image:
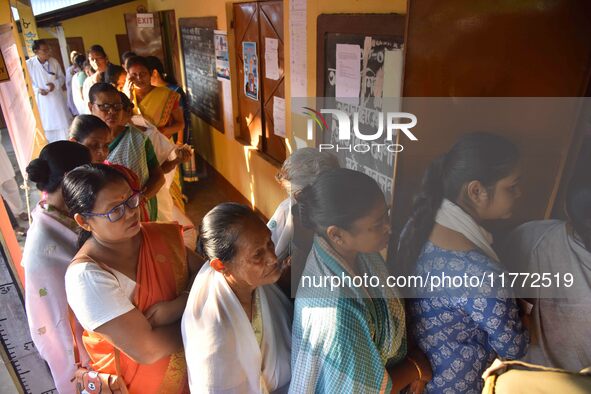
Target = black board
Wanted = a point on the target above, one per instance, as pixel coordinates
(203, 89)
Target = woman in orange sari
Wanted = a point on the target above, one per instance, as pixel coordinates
(161, 107)
(128, 283)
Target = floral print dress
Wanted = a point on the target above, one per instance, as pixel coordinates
(462, 330)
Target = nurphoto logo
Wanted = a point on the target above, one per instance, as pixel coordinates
(395, 122)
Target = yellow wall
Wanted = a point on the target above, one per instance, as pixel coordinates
(5, 12)
(99, 27)
(247, 170)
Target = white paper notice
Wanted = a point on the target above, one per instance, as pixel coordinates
(228, 112)
(279, 116)
(393, 76)
(348, 80)
(271, 58)
(298, 48)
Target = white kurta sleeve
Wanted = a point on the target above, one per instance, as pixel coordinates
(32, 74)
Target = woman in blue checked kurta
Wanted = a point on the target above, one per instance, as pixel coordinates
(462, 329)
(349, 339)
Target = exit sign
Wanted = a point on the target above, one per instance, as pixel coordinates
(145, 20)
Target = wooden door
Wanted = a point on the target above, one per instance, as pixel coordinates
(145, 41)
(246, 25)
(172, 56)
(56, 53)
(75, 44)
(468, 48)
(122, 45)
(271, 26)
(254, 22)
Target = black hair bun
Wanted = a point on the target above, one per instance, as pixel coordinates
(38, 171)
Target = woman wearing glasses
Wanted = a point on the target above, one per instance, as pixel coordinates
(128, 284)
(129, 147)
(50, 246)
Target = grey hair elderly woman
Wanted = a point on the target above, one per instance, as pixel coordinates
(298, 171)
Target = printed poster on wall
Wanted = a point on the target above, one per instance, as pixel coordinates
(251, 70)
(222, 60)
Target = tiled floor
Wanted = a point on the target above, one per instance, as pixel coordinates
(211, 190)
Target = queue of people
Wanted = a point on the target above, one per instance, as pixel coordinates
(168, 317)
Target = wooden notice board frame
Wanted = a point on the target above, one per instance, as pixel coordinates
(389, 29)
(210, 23)
(357, 24)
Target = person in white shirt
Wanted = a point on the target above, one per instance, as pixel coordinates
(299, 170)
(78, 82)
(70, 72)
(97, 57)
(47, 79)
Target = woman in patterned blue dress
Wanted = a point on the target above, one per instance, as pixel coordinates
(462, 329)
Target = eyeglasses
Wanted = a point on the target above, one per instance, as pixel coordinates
(118, 211)
(108, 107)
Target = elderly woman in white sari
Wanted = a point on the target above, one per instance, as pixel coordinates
(49, 249)
(237, 324)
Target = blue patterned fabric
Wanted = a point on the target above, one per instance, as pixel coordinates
(462, 330)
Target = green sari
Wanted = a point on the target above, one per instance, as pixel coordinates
(132, 149)
(344, 338)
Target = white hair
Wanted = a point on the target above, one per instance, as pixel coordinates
(303, 167)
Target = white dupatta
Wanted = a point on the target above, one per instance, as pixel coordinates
(221, 349)
(455, 218)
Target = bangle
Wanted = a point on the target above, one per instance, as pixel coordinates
(416, 366)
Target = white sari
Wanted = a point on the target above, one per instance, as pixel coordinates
(223, 355)
(167, 211)
(281, 226)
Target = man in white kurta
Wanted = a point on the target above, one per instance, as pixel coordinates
(48, 78)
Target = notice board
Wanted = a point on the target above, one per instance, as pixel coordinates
(203, 88)
(374, 34)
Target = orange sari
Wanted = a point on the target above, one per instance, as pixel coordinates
(162, 274)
